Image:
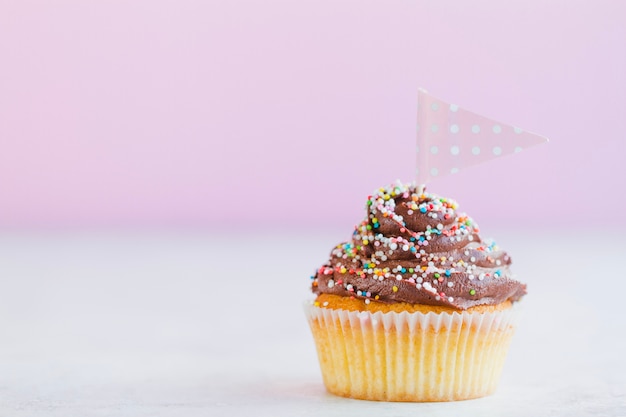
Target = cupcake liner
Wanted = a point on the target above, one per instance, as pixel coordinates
(411, 356)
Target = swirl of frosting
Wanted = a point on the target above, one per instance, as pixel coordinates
(415, 247)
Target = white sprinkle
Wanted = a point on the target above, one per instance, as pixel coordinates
(381, 278)
(331, 283)
(470, 238)
(429, 287)
(437, 298)
(450, 284)
(325, 303)
(367, 301)
(481, 277)
(418, 286)
(466, 252)
(473, 259)
(399, 277)
(450, 299)
(471, 277)
(440, 226)
(420, 280)
(405, 248)
(498, 262)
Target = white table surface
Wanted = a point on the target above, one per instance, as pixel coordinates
(165, 324)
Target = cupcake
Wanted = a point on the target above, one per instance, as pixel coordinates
(416, 306)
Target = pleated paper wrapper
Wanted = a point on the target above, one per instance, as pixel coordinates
(411, 356)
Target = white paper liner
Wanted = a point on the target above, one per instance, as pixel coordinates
(411, 356)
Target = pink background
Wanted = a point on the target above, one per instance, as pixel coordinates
(220, 114)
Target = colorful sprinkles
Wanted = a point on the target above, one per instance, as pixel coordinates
(420, 242)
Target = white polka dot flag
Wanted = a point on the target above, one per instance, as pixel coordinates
(450, 138)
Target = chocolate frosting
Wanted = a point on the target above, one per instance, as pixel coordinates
(415, 247)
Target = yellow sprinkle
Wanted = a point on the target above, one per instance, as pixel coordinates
(374, 220)
(377, 297)
(443, 259)
(395, 289)
(317, 304)
(343, 270)
(365, 241)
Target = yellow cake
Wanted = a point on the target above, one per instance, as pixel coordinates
(416, 306)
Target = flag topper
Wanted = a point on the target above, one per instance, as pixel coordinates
(450, 138)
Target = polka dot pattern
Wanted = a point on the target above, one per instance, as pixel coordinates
(451, 138)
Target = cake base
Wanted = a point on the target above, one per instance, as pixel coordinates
(413, 356)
